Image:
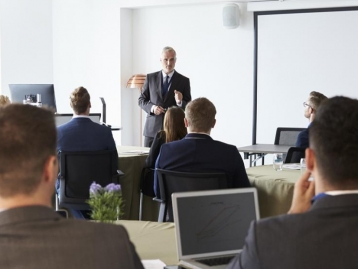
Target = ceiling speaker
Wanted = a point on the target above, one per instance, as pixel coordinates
(231, 16)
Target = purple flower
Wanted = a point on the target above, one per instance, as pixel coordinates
(95, 188)
(113, 188)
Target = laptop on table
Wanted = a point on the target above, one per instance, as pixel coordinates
(211, 226)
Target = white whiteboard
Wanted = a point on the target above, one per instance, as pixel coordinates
(298, 53)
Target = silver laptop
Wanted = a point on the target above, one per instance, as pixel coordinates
(64, 118)
(211, 226)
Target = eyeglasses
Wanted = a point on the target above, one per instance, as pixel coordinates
(305, 104)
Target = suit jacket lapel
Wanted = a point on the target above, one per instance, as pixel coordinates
(158, 84)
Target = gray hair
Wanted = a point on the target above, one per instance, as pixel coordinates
(167, 48)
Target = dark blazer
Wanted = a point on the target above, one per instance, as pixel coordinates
(158, 141)
(303, 138)
(200, 153)
(324, 237)
(152, 95)
(82, 134)
(36, 237)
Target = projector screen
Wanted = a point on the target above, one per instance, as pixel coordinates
(297, 52)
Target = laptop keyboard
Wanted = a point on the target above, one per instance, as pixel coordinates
(216, 261)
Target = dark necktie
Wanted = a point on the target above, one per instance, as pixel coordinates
(165, 87)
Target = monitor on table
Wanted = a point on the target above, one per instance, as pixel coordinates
(20, 92)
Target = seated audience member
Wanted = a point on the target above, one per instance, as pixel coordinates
(173, 129)
(198, 152)
(313, 102)
(319, 231)
(33, 235)
(81, 133)
(4, 100)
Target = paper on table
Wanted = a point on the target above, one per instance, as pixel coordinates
(135, 152)
(153, 264)
(293, 166)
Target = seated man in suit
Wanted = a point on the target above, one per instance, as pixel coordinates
(33, 236)
(313, 102)
(81, 133)
(198, 152)
(321, 227)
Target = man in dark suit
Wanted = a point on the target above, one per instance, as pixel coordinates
(198, 152)
(320, 230)
(311, 105)
(81, 133)
(33, 236)
(162, 90)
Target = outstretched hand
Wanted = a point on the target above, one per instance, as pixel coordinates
(302, 195)
(178, 96)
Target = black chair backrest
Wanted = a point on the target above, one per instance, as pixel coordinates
(287, 135)
(295, 154)
(78, 170)
(172, 181)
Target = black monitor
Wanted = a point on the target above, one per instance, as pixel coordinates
(19, 92)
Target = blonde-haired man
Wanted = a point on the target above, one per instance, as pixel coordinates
(198, 152)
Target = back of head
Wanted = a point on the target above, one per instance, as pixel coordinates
(173, 125)
(4, 100)
(200, 114)
(334, 139)
(316, 99)
(28, 138)
(80, 100)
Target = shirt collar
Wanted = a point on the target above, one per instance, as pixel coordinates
(80, 116)
(170, 74)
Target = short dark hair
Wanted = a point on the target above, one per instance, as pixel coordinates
(334, 140)
(200, 114)
(80, 100)
(27, 140)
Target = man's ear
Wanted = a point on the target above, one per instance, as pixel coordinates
(214, 123)
(310, 159)
(186, 123)
(50, 169)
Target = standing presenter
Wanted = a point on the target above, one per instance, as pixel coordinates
(162, 90)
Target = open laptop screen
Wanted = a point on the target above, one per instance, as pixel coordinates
(64, 118)
(214, 221)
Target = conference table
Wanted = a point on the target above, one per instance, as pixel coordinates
(274, 188)
(261, 150)
(131, 160)
(153, 240)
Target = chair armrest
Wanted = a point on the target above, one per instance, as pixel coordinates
(158, 200)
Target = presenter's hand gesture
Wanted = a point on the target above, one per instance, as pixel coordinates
(158, 110)
(178, 96)
(302, 194)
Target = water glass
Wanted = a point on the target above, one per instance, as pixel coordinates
(303, 165)
(277, 161)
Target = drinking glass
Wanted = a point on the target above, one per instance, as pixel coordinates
(277, 161)
(303, 165)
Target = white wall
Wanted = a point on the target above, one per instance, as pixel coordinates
(26, 42)
(218, 61)
(86, 52)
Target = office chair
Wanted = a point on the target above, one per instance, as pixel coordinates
(78, 170)
(146, 187)
(295, 154)
(171, 181)
(287, 135)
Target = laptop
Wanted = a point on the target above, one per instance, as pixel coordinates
(64, 118)
(211, 226)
